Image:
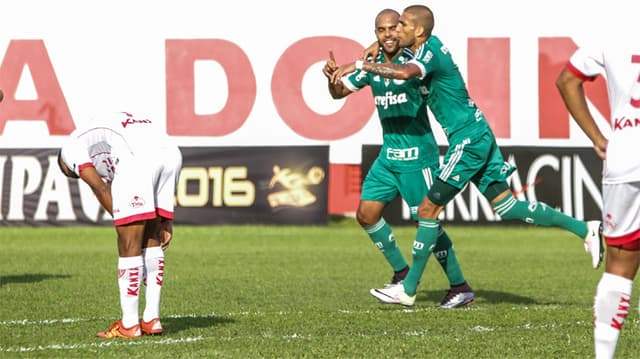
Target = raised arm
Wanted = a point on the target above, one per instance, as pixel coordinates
(336, 89)
(388, 70)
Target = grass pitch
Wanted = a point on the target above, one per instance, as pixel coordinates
(284, 291)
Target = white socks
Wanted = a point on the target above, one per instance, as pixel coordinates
(154, 267)
(129, 278)
(611, 307)
(132, 270)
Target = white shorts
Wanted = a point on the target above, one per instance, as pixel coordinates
(621, 213)
(144, 185)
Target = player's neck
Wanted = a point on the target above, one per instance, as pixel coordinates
(419, 42)
(390, 56)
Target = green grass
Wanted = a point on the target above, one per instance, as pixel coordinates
(285, 291)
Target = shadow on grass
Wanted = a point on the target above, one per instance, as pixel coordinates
(487, 296)
(30, 278)
(175, 325)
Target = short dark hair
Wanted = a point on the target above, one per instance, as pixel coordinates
(423, 17)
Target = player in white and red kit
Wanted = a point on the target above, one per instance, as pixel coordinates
(132, 168)
(621, 177)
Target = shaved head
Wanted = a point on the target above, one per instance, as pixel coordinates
(386, 34)
(386, 12)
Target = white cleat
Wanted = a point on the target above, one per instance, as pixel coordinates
(458, 296)
(593, 243)
(393, 294)
(457, 300)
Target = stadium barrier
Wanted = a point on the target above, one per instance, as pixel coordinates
(225, 185)
(567, 179)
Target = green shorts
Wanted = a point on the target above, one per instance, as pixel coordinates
(384, 185)
(477, 160)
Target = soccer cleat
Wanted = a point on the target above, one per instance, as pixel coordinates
(457, 297)
(593, 243)
(393, 294)
(117, 330)
(152, 327)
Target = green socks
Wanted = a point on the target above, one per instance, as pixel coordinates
(446, 256)
(430, 237)
(382, 236)
(426, 238)
(540, 214)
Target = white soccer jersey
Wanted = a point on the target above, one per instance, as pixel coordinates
(109, 139)
(621, 67)
(135, 156)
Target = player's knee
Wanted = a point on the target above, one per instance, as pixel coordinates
(428, 209)
(366, 219)
(503, 201)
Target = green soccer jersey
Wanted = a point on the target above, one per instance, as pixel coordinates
(448, 97)
(408, 143)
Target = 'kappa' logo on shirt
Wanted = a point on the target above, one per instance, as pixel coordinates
(131, 121)
(625, 122)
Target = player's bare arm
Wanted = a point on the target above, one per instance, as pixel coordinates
(392, 71)
(101, 189)
(388, 70)
(572, 91)
(337, 90)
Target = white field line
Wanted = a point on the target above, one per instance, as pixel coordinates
(43, 321)
(294, 336)
(102, 344)
(207, 315)
(408, 311)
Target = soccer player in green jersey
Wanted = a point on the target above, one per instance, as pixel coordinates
(405, 162)
(473, 154)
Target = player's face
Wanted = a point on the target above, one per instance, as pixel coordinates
(386, 33)
(406, 30)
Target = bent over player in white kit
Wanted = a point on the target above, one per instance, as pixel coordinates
(621, 177)
(132, 169)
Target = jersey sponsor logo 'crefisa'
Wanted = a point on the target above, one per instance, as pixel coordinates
(390, 99)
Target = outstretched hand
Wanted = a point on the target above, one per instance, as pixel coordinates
(334, 72)
(330, 66)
